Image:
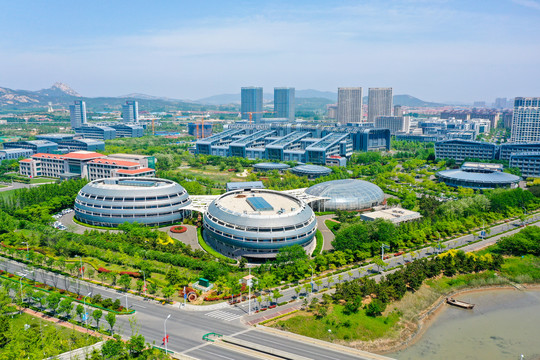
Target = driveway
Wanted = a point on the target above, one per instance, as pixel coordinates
(325, 231)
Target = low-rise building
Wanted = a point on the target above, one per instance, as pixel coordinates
(527, 162)
(395, 215)
(14, 153)
(37, 146)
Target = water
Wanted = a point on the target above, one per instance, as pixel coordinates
(503, 325)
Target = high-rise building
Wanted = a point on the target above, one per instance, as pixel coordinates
(130, 111)
(77, 114)
(398, 110)
(349, 105)
(379, 103)
(500, 103)
(284, 103)
(394, 123)
(251, 106)
(526, 120)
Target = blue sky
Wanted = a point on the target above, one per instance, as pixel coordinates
(434, 49)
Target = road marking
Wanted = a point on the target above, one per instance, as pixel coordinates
(144, 307)
(224, 315)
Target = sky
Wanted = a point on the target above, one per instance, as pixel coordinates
(437, 50)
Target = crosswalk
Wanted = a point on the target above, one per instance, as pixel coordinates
(224, 315)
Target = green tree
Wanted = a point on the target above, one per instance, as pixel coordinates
(80, 311)
(97, 314)
(65, 306)
(125, 281)
(111, 320)
(5, 331)
(136, 345)
(53, 300)
(168, 291)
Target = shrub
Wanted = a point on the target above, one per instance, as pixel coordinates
(131, 273)
(103, 270)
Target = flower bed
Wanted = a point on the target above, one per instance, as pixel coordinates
(131, 273)
(103, 270)
(178, 229)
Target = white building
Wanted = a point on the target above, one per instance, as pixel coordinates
(526, 120)
(350, 102)
(379, 103)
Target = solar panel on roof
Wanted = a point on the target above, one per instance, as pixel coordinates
(259, 204)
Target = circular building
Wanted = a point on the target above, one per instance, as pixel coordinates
(256, 223)
(269, 166)
(311, 171)
(477, 179)
(114, 201)
(346, 194)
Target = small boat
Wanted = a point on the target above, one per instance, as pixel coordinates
(458, 303)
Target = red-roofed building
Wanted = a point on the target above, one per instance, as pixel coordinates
(87, 164)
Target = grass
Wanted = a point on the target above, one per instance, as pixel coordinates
(332, 225)
(213, 173)
(320, 243)
(211, 251)
(41, 338)
(93, 226)
(357, 326)
(6, 194)
(42, 180)
(524, 269)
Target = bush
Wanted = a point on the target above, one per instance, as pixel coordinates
(375, 308)
(103, 270)
(131, 273)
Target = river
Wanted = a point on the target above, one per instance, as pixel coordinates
(503, 325)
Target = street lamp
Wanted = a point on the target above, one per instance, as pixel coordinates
(20, 284)
(144, 282)
(311, 278)
(85, 312)
(79, 275)
(165, 339)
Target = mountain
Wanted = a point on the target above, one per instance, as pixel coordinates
(310, 93)
(61, 95)
(411, 101)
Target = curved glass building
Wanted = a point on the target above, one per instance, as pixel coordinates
(114, 201)
(478, 176)
(311, 171)
(269, 166)
(256, 223)
(346, 194)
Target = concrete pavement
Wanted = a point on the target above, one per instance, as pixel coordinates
(325, 231)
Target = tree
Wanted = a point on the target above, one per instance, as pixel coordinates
(290, 254)
(276, 295)
(53, 300)
(380, 263)
(136, 345)
(139, 285)
(97, 314)
(111, 320)
(173, 276)
(125, 281)
(113, 349)
(80, 311)
(65, 306)
(375, 308)
(5, 331)
(297, 291)
(168, 291)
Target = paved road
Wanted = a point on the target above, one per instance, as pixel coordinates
(327, 234)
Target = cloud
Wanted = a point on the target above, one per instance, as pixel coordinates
(532, 4)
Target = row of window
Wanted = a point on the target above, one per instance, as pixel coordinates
(291, 238)
(259, 229)
(124, 216)
(140, 198)
(140, 207)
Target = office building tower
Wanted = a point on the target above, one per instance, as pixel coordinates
(349, 105)
(394, 123)
(500, 103)
(284, 103)
(252, 104)
(77, 114)
(379, 103)
(398, 110)
(526, 120)
(130, 111)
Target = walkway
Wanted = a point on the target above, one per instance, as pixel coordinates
(189, 237)
(328, 235)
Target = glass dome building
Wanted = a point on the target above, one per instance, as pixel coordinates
(477, 180)
(311, 171)
(346, 194)
(149, 201)
(256, 223)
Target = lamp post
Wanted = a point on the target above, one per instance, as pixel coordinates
(20, 284)
(144, 282)
(85, 312)
(165, 339)
(311, 278)
(79, 276)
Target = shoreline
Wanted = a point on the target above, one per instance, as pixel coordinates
(412, 332)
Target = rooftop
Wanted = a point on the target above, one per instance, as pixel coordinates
(275, 203)
(82, 155)
(395, 215)
(122, 183)
(134, 171)
(114, 162)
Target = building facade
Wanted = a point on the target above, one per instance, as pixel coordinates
(284, 103)
(37, 146)
(396, 124)
(526, 120)
(96, 132)
(77, 114)
(379, 103)
(251, 106)
(350, 103)
(130, 111)
(460, 150)
(127, 130)
(527, 162)
(14, 153)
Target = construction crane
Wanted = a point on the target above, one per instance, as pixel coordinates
(254, 112)
(197, 127)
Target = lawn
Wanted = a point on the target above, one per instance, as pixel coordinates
(42, 180)
(524, 269)
(332, 225)
(213, 173)
(338, 325)
(7, 194)
(40, 339)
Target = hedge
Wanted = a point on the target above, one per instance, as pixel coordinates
(211, 251)
(320, 243)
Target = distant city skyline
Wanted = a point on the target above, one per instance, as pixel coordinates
(441, 51)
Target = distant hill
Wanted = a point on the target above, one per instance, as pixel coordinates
(61, 96)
